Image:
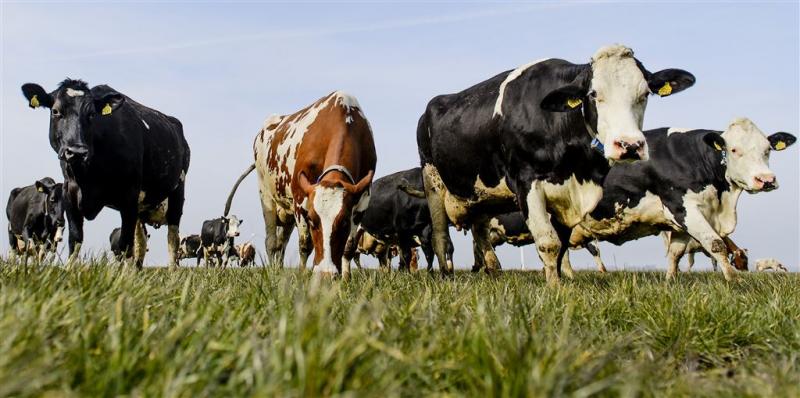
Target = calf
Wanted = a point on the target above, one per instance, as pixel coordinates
(765, 264)
(246, 253)
(35, 218)
(116, 153)
(191, 246)
(315, 167)
(537, 139)
(216, 238)
(690, 186)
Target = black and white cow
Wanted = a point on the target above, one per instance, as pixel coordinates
(216, 237)
(116, 153)
(540, 139)
(395, 217)
(511, 228)
(690, 186)
(35, 218)
(191, 247)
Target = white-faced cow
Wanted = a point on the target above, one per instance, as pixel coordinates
(35, 218)
(216, 239)
(690, 186)
(538, 139)
(315, 167)
(116, 153)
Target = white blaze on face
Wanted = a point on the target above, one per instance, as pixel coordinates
(233, 226)
(747, 155)
(74, 93)
(328, 204)
(621, 100)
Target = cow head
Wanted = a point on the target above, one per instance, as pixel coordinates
(231, 226)
(74, 109)
(612, 95)
(53, 205)
(745, 151)
(331, 204)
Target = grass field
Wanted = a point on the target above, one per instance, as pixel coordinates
(100, 331)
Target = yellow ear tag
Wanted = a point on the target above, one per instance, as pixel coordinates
(665, 90)
(34, 102)
(106, 110)
(573, 102)
(719, 148)
(40, 189)
(780, 146)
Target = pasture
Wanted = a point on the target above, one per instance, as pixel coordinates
(102, 331)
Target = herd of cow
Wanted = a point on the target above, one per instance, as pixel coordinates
(551, 153)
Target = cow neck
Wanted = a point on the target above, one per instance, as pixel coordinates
(716, 162)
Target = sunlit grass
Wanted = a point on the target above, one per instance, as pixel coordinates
(102, 331)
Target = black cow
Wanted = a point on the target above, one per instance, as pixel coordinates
(113, 241)
(216, 237)
(397, 218)
(35, 218)
(511, 228)
(540, 139)
(690, 186)
(116, 153)
(191, 247)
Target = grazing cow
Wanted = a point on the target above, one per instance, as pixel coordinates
(540, 139)
(395, 218)
(511, 228)
(765, 264)
(113, 241)
(216, 238)
(370, 245)
(738, 256)
(314, 167)
(690, 186)
(246, 253)
(35, 218)
(116, 153)
(191, 246)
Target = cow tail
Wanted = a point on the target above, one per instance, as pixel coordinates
(235, 186)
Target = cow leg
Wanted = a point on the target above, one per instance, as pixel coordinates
(351, 247)
(690, 260)
(676, 249)
(699, 228)
(284, 233)
(714, 264)
(384, 259)
(357, 260)
(427, 250)
(271, 238)
(594, 250)
(440, 234)
(306, 245)
(484, 248)
(478, 263)
(548, 244)
(175, 202)
(139, 244)
(126, 235)
(74, 220)
(405, 256)
(566, 265)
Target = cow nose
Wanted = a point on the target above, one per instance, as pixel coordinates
(629, 150)
(766, 181)
(75, 153)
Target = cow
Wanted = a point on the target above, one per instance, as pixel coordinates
(35, 218)
(511, 228)
(539, 139)
(397, 219)
(246, 253)
(113, 240)
(216, 239)
(690, 187)
(116, 153)
(315, 167)
(765, 264)
(738, 256)
(191, 246)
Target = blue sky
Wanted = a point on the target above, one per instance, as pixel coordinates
(222, 68)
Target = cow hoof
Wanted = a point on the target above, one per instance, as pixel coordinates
(493, 272)
(476, 268)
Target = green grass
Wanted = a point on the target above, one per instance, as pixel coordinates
(100, 331)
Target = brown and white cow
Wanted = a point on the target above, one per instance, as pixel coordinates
(314, 167)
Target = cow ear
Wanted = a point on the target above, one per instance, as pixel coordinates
(305, 185)
(780, 141)
(564, 99)
(715, 141)
(670, 81)
(36, 96)
(108, 103)
(361, 185)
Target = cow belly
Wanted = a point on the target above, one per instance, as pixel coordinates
(572, 200)
(152, 215)
(459, 209)
(647, 218)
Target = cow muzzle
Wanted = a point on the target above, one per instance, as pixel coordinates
(765, 182)
(629, 150)
(74, 154)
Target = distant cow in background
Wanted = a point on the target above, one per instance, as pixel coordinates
(35, 218)
(246, 253)
(113, 241)
(765, 264)
(191, 247)
(216, 237)
(315, 167)
(116, 153)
